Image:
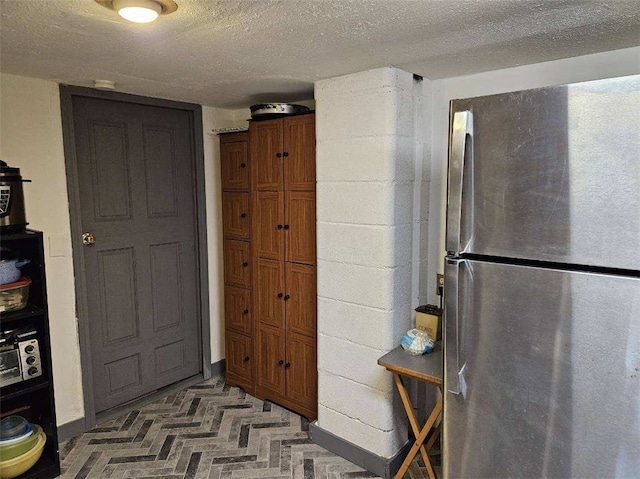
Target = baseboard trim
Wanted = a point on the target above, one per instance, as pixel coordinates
(71, 429)
(381, 466)
(218, 368)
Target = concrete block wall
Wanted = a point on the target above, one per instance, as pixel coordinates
(371, 159)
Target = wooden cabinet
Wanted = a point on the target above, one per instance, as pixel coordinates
(32, 398)
(269, 231)
(284, 255)
(236, 230)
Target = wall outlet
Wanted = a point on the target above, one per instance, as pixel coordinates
(440, 284)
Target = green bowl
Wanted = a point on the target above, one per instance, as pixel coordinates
(18, 448)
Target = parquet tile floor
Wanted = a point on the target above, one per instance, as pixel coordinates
(206, 431)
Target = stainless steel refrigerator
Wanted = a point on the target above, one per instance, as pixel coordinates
(542, 284)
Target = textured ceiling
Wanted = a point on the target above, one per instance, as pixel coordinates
(233, 53)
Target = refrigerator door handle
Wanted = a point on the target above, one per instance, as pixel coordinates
(461, 129)
(454, 372)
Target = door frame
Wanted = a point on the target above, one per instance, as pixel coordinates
(67, 92)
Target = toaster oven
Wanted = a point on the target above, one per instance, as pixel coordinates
(19, 356)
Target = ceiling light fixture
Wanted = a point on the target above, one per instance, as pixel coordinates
(140, 11)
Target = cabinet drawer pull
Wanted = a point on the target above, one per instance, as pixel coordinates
(280, 363)
(280, 227)
(243, 165)
(287, 366)
(278, 155)
(286, 297)
(246, 358)
(245, 264)
(246, 311)
(280, 295)
(286, 227)
(286, 153)
(243, 215)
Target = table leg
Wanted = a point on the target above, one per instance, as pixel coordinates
(413, 420)
(419, 437)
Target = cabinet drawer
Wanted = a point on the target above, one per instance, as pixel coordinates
(270, 355)
(301, 298)
(237, 309)
(237, 267)
(269, 292)
(301, 371)
(236, 220)
(300, 227)
(234, 159)
(239, 361)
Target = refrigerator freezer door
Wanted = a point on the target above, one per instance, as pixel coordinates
(554, 175)
(552, 376)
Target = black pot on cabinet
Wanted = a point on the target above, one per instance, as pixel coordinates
(12, 214)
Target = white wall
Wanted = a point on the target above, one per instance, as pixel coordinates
(213, 118)
(370, 157)
(588, 67)
(31, 139)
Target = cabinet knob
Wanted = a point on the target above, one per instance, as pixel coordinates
(280, 363)
(280, 295)
(280, 227)
(246, 358)
(286, 297)
(286, 227)
(287, 366)
(246, 311)
(243, 215)
(243, 165)
(245, 264)
(278, 155)
(286, 153)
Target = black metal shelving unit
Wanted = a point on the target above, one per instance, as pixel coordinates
(33, 399)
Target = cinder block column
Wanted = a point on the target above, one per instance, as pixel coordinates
(368, 213)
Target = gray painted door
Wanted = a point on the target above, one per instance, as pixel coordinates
(137, 195)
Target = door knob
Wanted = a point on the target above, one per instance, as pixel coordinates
(88, 239)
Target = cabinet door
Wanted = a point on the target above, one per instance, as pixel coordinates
(301, 370)
(239, 356)
(237, 269)
(301, 298)
(268, 224)
(269, 292)
(234, 160)
(300, 232)
(300, 151)
(237, 309)
(266, 155)
(270, 355)
(235, 215)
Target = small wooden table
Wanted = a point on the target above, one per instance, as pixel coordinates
(427, 368)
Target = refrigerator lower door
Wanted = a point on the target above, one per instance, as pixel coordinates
(550, 381)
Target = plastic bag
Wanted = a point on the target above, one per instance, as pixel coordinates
(417, 342)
